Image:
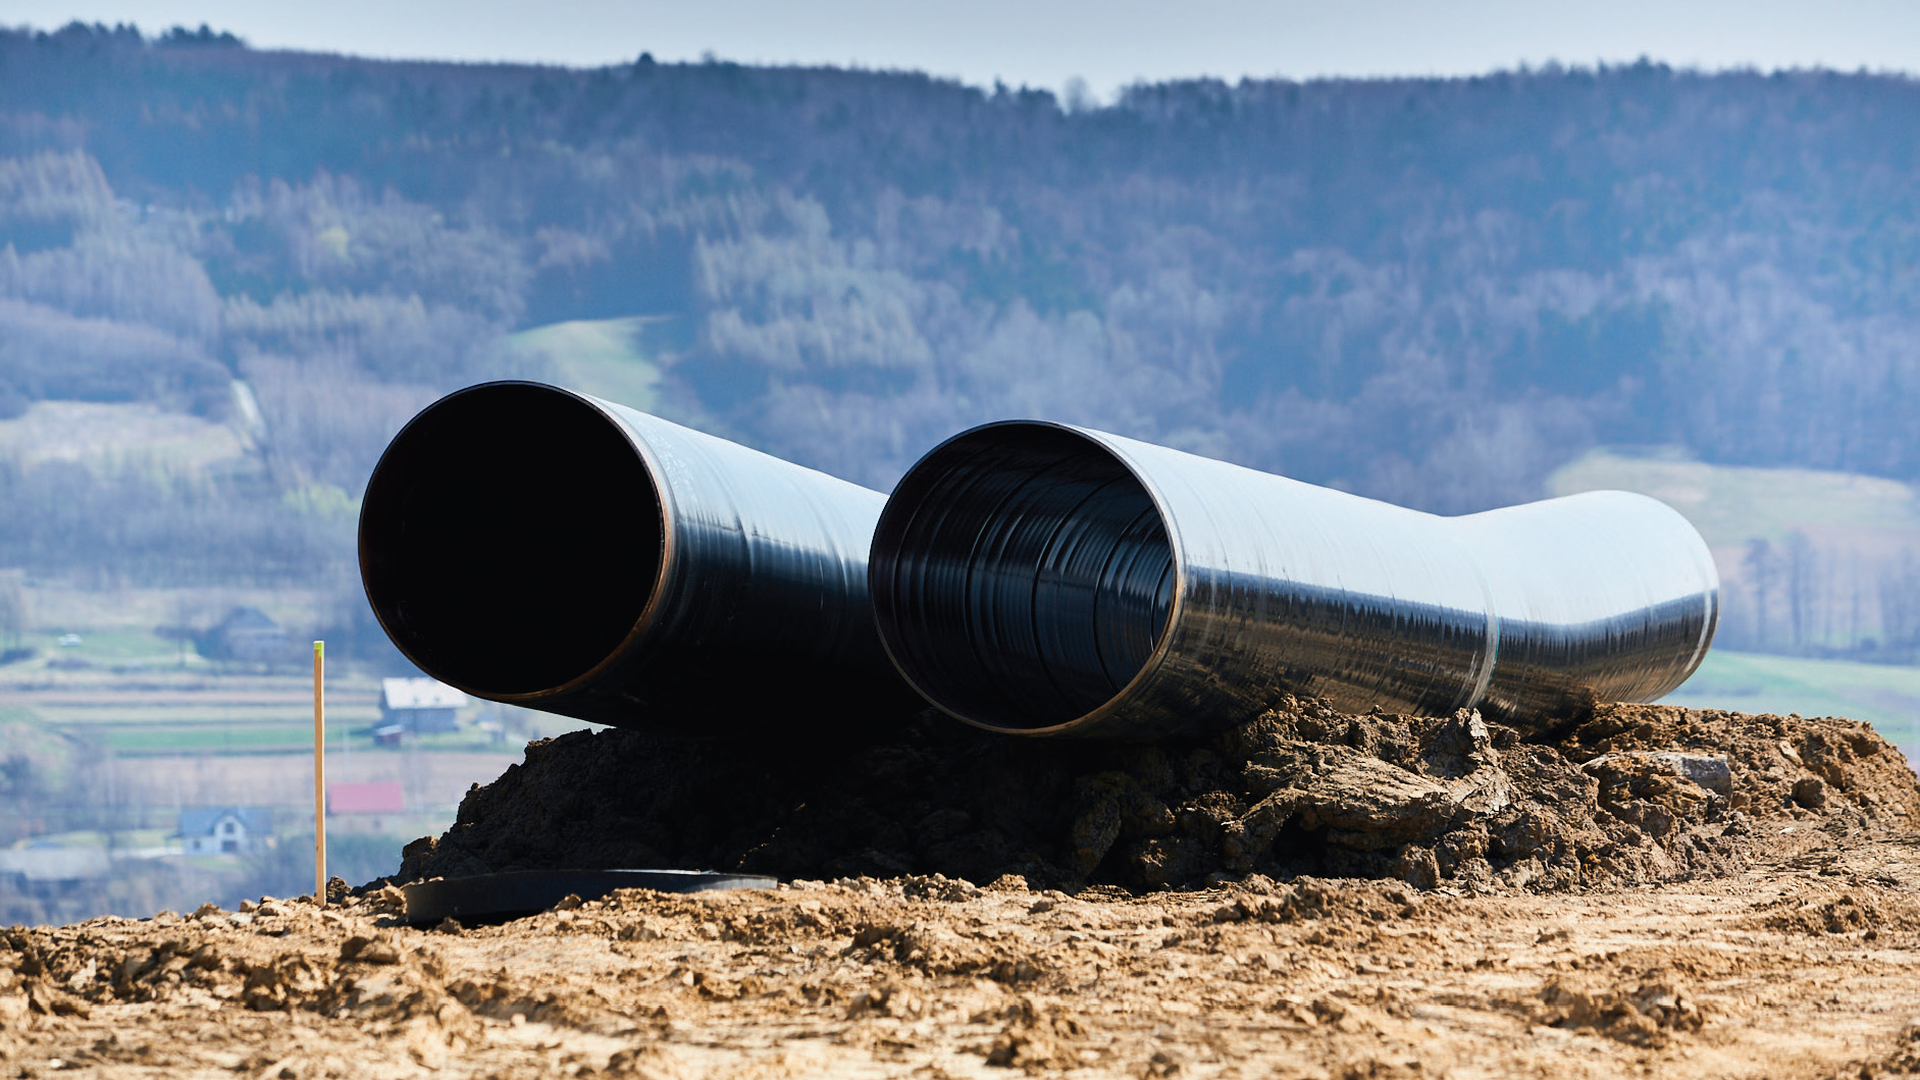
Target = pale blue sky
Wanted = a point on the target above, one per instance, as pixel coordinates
(1108, 43)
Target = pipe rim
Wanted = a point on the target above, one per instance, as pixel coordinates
(664, 506)
(644, 621)
(890, 524)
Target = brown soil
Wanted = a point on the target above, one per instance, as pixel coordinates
(1634, 794)
(1663, 893)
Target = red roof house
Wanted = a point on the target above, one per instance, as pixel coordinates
(380, 797)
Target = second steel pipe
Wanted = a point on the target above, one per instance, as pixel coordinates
(544, 548)
(1042, 579)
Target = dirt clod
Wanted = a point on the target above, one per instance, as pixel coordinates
(1646, 1014)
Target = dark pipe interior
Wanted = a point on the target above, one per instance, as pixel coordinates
(509, 538)
(1021, 576)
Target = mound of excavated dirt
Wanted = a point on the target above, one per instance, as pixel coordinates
(1633, 794)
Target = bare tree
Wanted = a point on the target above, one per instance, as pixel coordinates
(13, 607)
(1900, 604)
(1760, 566)
(1802, 582)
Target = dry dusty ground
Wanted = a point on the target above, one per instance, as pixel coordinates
(1648, 891)
(1807, 964)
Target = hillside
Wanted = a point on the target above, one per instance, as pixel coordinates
(1433, 291)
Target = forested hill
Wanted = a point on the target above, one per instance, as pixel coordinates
(1431, 291)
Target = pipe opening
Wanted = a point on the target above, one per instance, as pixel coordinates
(1022, 576)
(510, 538)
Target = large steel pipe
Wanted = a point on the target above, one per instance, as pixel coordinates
(548, 549)
(1042, 579)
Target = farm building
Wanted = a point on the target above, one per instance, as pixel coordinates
(225, 830)
(378, 797)
(365, 807)
(246, 634)
(420, 706)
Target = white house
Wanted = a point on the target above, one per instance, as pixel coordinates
(419, 705)
(225, 830)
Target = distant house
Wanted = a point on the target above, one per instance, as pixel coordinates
(246, 634)
(380, 797)
(418, 705)
(225, 830)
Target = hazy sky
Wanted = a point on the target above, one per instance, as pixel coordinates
(1108, 43)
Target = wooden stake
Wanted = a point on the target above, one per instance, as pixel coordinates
(319, 776)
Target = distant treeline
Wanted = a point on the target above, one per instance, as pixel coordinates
(1427, 290)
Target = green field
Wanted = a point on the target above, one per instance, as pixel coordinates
(120, 437)
(199, 730)
(130, 708)
(94, 838)
(176, 738)
(113, 647)
(1884, 695)
(602, 357)
(1731, 504)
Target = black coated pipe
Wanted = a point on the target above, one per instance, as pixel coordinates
(543, 548)
(1042, 579)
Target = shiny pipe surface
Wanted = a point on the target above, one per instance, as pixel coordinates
(544, 548)
(1042, 579)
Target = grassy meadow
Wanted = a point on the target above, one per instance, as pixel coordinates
(608, 358)
(1885, 695)
(1732, 505)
